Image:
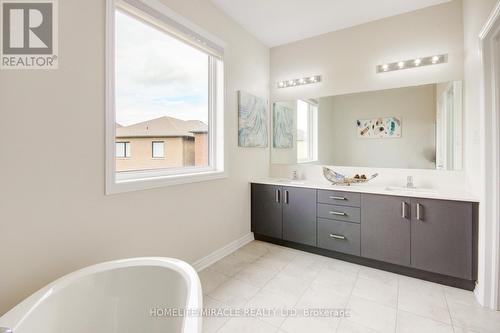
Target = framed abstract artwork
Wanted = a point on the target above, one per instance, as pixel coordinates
(382, 127)
(252, 121)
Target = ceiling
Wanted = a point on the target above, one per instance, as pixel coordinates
(276, 22)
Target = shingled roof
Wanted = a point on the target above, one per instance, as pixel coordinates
(160, 127)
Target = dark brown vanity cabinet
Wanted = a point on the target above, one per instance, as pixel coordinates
(425, 238)
(442, 237)
(287, 213)
(386, 228)
(339, 218)
(299, 215)
(427, 234)
(267, 212)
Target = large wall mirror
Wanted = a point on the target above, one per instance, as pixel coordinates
(417, 127)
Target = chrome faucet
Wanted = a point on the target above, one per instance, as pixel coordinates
(409, 182)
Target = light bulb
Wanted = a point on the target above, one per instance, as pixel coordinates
(401, 64)
(435, 59)
(302, 81)
(385, 67)
(418, 62)
(281, 84)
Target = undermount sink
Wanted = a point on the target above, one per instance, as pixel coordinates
(411, 189)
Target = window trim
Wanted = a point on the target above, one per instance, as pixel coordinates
(125, 156)
(153, 150)
(147, 179)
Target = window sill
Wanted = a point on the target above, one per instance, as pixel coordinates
(138, 184)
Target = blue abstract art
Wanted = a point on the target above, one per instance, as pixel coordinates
(283, 130)
(252, 121)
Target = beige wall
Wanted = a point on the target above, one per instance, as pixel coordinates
(201, 149)
(54, 215)
(415, 106)
(179, 152)
(475, 15)
(347, 58)
(189, 152)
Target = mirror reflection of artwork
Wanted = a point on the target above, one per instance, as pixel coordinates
(283, 133)
(252, 121)
(382, 127)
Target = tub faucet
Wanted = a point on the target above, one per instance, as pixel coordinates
(6, 330)
(409, 182)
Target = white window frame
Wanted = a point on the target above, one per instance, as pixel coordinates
(125, 144)
(153, 150)
(312, 129)
(157, 14)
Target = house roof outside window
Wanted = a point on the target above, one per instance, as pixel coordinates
(162, 127)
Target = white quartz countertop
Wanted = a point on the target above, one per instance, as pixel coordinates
(454, 195)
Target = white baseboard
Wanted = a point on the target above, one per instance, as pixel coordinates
(222, 252)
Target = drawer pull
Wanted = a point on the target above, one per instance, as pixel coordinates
(338, 213)
(338, 237)
(403, 210)
(419, 212)
(338, 198)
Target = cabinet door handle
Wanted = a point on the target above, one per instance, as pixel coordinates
(338, 237)
(338, 213)
(277, 196)
(403, 210)
(338, 198)
(419, 212)
(286, 197)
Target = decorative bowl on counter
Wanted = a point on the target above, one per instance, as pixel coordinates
(339, 179)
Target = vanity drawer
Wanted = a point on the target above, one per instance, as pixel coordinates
(340, 213)
(339, 236)
(339, 198)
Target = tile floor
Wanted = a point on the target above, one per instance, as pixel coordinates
(263, 275)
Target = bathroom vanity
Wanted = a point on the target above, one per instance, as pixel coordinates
(432, 236)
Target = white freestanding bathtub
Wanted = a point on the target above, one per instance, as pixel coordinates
(123, 296)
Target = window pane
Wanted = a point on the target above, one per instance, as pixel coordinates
(127, 149)
(303, 131)
(162, 87)
(120, 149)
(123, 149)
(158, 149)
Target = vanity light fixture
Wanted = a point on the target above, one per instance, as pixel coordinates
(412, 63)
(299, 82)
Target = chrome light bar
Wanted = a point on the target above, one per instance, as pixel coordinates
(413, 63)
(299, 82)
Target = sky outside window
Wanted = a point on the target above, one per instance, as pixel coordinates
(157, 75)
